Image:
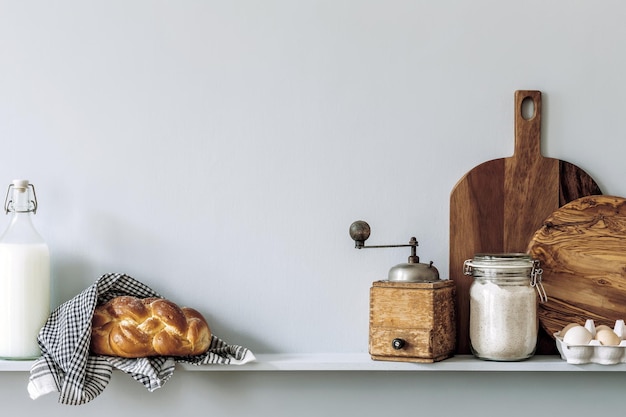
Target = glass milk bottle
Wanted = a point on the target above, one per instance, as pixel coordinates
(24, 276)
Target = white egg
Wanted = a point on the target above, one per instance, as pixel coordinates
(566, 328)
(577, 335)
(607, 337)
(603, 327)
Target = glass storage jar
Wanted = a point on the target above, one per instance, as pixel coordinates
(503, 324)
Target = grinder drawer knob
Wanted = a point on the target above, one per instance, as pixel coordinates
(398, 343)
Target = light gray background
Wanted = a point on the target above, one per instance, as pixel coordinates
(219, 151)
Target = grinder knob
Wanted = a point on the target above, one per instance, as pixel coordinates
(359, 232)
(398, 343)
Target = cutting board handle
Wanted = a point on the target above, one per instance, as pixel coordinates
(527, 130)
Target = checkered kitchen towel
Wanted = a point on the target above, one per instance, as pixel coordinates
(66, 365)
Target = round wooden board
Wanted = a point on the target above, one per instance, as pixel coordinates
(582, 250)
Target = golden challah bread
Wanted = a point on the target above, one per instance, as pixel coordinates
(133, 327)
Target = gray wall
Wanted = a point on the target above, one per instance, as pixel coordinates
(218, 152)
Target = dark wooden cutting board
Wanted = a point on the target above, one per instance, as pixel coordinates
(498, 205)
(582, 250)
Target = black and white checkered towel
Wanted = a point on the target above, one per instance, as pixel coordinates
(66, 365)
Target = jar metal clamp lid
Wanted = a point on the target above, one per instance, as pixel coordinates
(506, 265)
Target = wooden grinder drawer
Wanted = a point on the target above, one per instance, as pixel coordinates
(411, 321)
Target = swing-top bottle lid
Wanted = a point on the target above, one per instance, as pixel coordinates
(20, 184)
(21, 197)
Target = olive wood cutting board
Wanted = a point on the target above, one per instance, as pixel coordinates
(498, 205)
(582, 250)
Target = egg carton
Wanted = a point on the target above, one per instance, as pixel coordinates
(594, 351)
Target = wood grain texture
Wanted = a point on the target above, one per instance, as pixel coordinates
(498, 205)
(582, 250)
(421, 314)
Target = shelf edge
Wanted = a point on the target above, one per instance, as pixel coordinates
(343, 362)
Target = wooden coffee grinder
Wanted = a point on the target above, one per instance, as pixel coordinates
(412, 316)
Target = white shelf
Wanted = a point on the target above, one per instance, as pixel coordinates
(363, 362)
(15, 365)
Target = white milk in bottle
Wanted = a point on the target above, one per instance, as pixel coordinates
(24, 277)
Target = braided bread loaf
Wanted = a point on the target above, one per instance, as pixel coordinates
(133, 327)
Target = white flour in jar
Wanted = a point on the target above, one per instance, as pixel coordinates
(503, 321)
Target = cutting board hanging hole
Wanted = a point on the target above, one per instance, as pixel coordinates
(528, 108)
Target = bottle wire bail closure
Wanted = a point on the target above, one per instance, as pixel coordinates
(8, 203)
